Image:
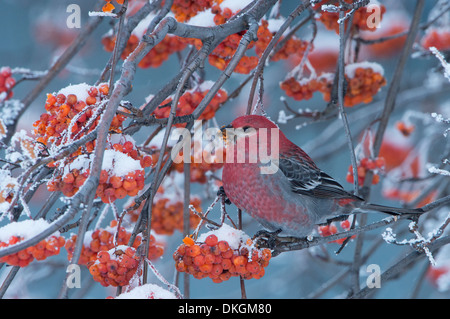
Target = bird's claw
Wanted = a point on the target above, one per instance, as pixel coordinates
(221, 193)
(265, 238)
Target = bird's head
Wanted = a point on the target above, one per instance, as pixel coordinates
(256, 137)
(253, 121)
(248, 125)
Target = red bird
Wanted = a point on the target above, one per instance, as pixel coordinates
(286, 191)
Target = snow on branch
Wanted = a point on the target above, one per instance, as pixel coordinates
(444, 63)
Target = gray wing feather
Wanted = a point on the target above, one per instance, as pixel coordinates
(309, 180)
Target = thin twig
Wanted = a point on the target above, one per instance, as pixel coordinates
(57, 67)
(393, 90)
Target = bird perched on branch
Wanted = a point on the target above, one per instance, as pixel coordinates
(277, 183)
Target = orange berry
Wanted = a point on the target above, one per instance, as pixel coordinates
(120, 193)
(223, 245)
(103, 256)
(94, 271)
(239, 261)
(93, 91)
(129, 185)
(199, 260)
(211, 240)
(90, 100)
(193, 250)
(266, 254)
(112, 266)
(206, 268)
(104, 89)
(23, 254)
(115, 181)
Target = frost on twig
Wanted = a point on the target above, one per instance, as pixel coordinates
(441, 119)
(444, 63)
(435, 170)
(9, 112)
(419, 243)
(102, 14)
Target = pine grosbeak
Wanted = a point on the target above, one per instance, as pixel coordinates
(296, 195)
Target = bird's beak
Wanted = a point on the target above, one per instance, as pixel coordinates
(223, 129)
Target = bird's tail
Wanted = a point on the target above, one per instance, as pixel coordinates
(392, 210)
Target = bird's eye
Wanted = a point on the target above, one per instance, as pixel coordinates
(245, 128)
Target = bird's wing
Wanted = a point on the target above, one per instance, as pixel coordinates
(306, 179)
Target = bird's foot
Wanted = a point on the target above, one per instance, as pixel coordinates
(265, 238)
(221, 193)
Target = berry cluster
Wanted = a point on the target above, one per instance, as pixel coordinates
(367, 164)
(331, 229)
(155, 57)
(222, 54)
(360, 19)
(363, 82)
(199, 170)
(201, 163)
(103, 240)
(7, 83)
(122, 174)
(45, 248)
(74, 110)
(167, 214)
(115, 267)
(189, 101)
(184, 10)
(304, 90)
(218, 260)
(438, 38)
(292, 46)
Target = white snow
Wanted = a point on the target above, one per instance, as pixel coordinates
(142, 26)
(351, 68)
(101, 14)
(283, 118)
(147, 291)
(27, 229)
(435, 170)
(275, 24)
(115, 162)
(10, 111)
(233, 236)
(119, 163)
(444, 63)
(235, 5)
(206, 85)
(203, 19)
(206, 18)
(80, 90)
